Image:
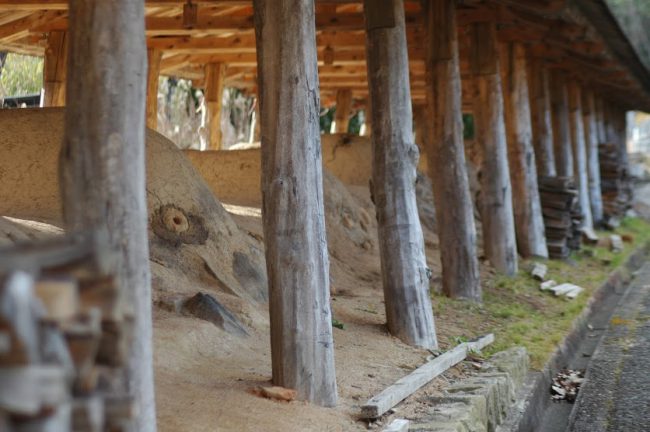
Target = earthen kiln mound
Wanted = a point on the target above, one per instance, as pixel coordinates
(204, 374)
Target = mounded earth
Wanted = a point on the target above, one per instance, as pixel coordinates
(206, 376)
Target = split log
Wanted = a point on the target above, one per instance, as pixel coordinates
(542, 120)
(615, 182)
(539, 271)
(102, 167)
(529, 224)
(343, 108)
(446, 155)
(562, 218)
(408, 385)
(54, 69)
(496, 206)
(398, 425)
(579, 153)
(215, 74)
(593, 166)
(616, 243)
(53, 376)
(405, 276)
(293, 207)
(561, 128)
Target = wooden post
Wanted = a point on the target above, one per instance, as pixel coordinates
(102, 162)
(453, 200)
(366, 130)
(618, 131)
(343, 107)
(579, 153)
(540, 105)
(593, 164)
(153, 72)
(302, 346)
(421, 129)
(214, 77)
(601, 121)
(561, 128)
(405, 275)
(54, 69)
(496, 206)
(529, 223)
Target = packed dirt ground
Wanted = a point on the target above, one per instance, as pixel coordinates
(206, 374)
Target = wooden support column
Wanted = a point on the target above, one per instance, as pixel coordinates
(496, 190)
(54, 69)
(602, 122)
(589, 114)
(102, 163)
(367, 124)
(343, 108)
(297, 261)
(405, 276)
(447, 167)
(618, 121)
(561, 127)
(529, 223)
(421, 128)
(540, 106)
(214, 77)
(579, 153)
(153, 72)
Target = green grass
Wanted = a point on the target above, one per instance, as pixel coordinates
(518, 313)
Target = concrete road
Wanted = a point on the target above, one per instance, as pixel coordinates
(616, 394)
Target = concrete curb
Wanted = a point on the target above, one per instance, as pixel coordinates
(479, 403)
(533, 398)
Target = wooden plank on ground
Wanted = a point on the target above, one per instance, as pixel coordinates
(409, 384)
(398, 425)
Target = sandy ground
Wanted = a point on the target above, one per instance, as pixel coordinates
(205, 376)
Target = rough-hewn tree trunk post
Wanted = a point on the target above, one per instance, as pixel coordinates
(579, 153)
(617, 121)
(601, 122)
(540, 105)
(446, 155)
(214, 77)
(54, 69)
(366, 130)
(593, 163)
(302, 346)
(529, 223)
(153, 72)
(405, 275)
(343, 107)
(496, 191)
(421, 128)
(561, 128)
(102, 165)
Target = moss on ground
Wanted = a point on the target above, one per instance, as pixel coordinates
(518, 313)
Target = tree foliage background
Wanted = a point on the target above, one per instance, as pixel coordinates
(21, 75)
(634, 18)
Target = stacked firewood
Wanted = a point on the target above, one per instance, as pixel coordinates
(615, 182)
(64, 336)
(562, 218)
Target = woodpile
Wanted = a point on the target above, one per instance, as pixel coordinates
(562, 216)
(64, 337)
(615, 182)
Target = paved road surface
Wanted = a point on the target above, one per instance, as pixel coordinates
(616, 394)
